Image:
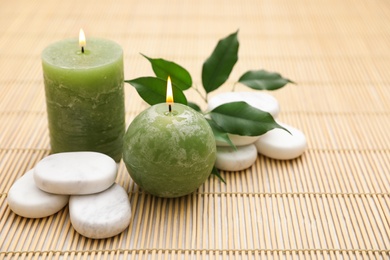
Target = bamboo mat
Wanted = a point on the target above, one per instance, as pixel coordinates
(331, 203)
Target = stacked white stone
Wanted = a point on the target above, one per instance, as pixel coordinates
(98, 207)
(277, 143)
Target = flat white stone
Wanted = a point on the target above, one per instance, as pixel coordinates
(26, 200)
(238, 140)
(75, 173)
(279, 144)
(230, 160)
(259, 100)
(101, 215)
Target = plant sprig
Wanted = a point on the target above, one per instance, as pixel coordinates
(231, 118)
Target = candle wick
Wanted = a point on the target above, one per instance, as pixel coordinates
(170, 108)
(82, 49)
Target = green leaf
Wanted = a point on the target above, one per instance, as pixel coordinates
(217, 68)
(216, 173)
(242, 119)
(179, 75)
(153, 90)
(220, 134)
(263, 80)
(194, 106)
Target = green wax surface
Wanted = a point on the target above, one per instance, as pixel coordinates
(169, 154)
(85, 96)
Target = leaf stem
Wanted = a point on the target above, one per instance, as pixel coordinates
(234, 86)
(200, 94)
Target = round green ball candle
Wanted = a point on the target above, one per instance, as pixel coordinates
(169, 154)
(85, 96)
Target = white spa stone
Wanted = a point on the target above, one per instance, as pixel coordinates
(238, 140)
(75, 173)
(101, 215)
(262, 101)
(26, 200)
(279, 144)
(259, 100)
(230, 160)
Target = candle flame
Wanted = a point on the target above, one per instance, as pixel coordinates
(169, 91)
(82, 41)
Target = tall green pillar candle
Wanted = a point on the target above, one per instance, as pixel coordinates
(85, 96)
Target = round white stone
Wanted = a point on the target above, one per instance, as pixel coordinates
(279, 144)
(75, 173)
(259, 100)
(26, 200)
(100, 215)
(229, 159)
